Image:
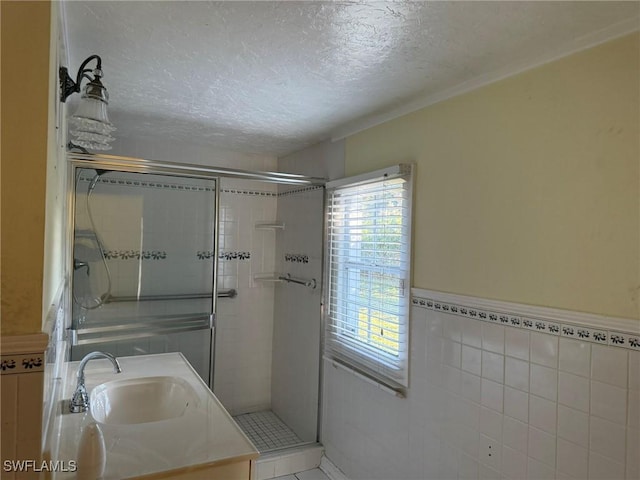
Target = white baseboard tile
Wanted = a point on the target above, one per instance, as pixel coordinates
(333, 472)
(287, 462)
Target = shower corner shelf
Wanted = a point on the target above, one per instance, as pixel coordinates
(269, 226)
(267, 277)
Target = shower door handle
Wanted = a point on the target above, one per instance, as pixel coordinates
(72, 335)
(212, 320)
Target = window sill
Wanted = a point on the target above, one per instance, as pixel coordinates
(373, 381)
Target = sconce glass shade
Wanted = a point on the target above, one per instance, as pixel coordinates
(91, 125)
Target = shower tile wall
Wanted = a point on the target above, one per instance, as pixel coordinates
(244, 324)
(490, 401)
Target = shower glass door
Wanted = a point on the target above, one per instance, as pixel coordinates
(144, 261)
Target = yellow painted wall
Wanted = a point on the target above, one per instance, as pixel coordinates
(24, 117)
(528, 189)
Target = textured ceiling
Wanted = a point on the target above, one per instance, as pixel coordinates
(274, 77)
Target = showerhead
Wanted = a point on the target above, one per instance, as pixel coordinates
(94, 180)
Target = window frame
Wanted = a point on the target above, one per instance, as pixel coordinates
(364, 357)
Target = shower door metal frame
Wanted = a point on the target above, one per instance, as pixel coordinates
(131, 165)
(138, 165)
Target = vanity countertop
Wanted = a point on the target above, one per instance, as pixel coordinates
(203, 436)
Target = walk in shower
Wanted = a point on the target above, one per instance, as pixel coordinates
(221, 265)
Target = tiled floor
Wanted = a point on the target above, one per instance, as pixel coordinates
(267, 431)
(315, 474)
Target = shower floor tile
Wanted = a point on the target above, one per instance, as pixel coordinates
(266, 431)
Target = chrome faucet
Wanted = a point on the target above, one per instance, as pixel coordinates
(80, 399)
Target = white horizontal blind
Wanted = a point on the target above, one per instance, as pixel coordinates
(369, 238)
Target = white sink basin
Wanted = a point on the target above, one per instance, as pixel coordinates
(141, 400)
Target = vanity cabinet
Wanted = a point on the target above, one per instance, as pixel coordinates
(236, 469)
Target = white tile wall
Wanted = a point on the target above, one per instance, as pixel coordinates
(490, 403)
(573, 425)
(516, 404)
(633, 418)
(633, 447)
(544, 349)
(493, 366)
(514, 463)
(543, 381)
(514, 434)
(493, 338)
(573, 391)
(516, 342)
(573, 460)
(244, 324)
(542, 414)
(517, 373)
(609, 366)
(575, 357)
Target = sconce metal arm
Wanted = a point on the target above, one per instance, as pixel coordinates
(68, 86)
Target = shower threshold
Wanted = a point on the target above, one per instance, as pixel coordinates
(267, 432)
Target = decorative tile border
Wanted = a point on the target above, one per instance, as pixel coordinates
(162, 255)
(208, 254)
(296, 258)
(135, 254)
(254, 193)
(234, 255)
(560, 328)
(195, 188)
(145, 184)
(257, 193)
(300, 190)
(26, 363)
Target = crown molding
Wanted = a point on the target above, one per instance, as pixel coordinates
(574, 46)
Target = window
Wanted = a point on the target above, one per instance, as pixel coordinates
(369, 239)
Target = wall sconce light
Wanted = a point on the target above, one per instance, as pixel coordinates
(91, 126)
